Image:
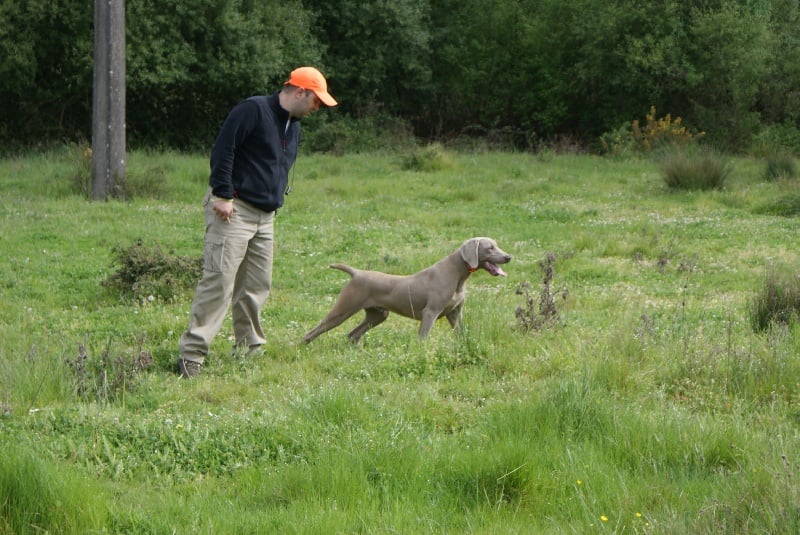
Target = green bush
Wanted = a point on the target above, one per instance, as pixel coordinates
(372, 133)
(618, 142)
(777, 139)
(656, 133)
(697, 169)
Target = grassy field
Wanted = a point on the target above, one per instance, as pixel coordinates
(650, 406)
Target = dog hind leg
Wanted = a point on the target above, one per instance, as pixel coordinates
(349, 302)
(373, 317)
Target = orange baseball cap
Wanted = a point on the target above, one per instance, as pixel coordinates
(311, 79)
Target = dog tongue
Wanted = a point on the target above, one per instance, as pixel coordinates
(494, 270)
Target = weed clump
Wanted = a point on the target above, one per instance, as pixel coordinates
(778, 301)
(432, 158)
(785, 206)
(145, 274)
(80, 177)
(700, 169)
(108, 378)
(540, 312)
(146, 183)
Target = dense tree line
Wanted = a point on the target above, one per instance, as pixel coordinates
(534, 70)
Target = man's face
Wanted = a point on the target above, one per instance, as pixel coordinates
(305, 103)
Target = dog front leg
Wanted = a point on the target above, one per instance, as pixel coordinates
(429, 317)
(454, 317)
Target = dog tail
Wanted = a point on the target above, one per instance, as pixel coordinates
(344, 267)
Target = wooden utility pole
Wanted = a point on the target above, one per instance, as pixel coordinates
(108, 106)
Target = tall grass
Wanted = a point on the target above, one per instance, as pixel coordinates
(693, 168)
(36, 498)
(780, 167)
(778, 301)
(650, 406)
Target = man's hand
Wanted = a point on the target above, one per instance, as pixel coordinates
(223, 208)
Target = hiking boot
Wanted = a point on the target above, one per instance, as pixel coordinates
(188, 368)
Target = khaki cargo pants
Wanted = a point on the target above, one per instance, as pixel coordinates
(237, 271)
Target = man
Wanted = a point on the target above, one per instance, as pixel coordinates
(250, 163)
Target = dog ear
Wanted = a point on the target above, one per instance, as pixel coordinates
(469, 252)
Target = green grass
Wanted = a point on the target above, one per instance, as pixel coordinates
(651, 406)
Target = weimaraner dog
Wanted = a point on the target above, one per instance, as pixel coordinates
(426, 296)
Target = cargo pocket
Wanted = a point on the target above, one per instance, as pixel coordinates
(213, 255)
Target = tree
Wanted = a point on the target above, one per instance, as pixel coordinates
(729, 50)
(378, 52)
(190, 61)
(45, 71)
(538, 69)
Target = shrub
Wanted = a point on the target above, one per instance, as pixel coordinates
(478, 138)
(373, 133)
(776, 139)
(619, 142)
(655, 133)
(145, 274)
(700, 169)
(778, 301)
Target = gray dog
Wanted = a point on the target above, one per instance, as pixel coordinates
(426, 296)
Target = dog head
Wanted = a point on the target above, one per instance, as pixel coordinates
(484, 253)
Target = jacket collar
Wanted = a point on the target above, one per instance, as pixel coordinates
(281, 114)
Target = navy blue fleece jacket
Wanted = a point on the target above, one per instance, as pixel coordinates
(253, 153)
